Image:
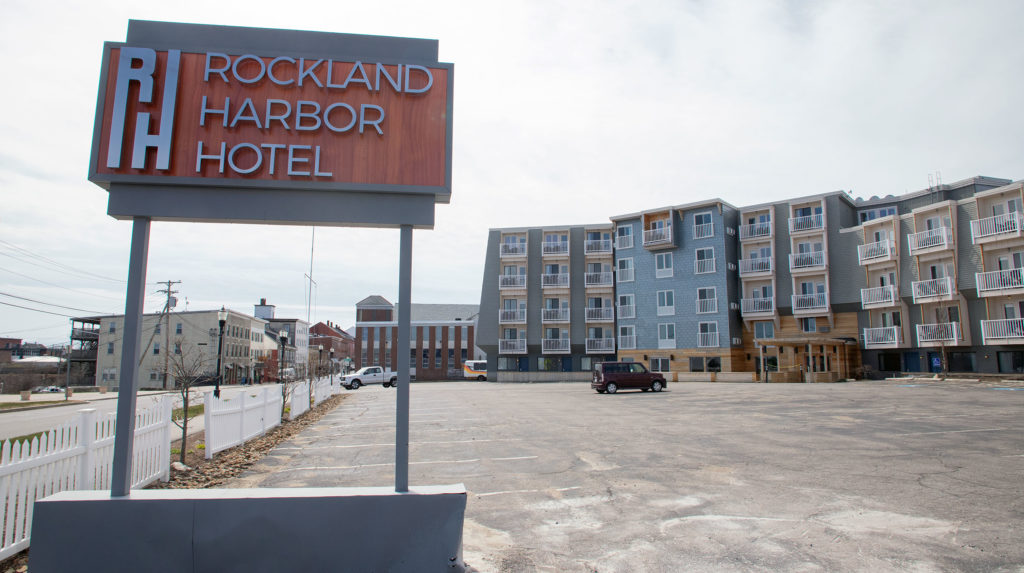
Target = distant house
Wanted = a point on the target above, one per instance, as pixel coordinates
(442, 337)
(8, 346)
(331, 336)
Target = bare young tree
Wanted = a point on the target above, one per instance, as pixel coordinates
(189, 366)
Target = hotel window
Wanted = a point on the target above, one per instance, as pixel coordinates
(667, 334)
(807, 324)
(586, 363)
(113, 327)
(177, 328)
(764, 330)
(660, 365)
(666, 303)
(110, 348)
(702, 226)
(625, 270)
(156, 348)
(705, 261)
(624, 237)
(663, 265)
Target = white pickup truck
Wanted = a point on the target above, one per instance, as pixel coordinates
(370, 375)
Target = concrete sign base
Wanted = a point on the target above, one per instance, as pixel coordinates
(251, 530)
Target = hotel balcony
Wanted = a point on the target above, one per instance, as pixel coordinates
(600, 345)
(555, 315)
(938, 334)
(627, 311)
(604, 279)
(756, 267)
(555, 280)
(807, 262)
(884, 337)
(707, 305)
(511, 282)
(931, 241)
(597, 247)
(992, 229)
(625, 275)
(555, 345)
(879, 297)
(1003, 331)
(880, 252)
(658, 238)
(810, 303)
(1000, 283)
(555, 249)
(707, 340)
(627, 342)
(933, 290)
(703, 266)
(763, 307)
(515, 346)
(85, 333)
(704, 231)
(808, 224)
(601, 314)
(512, 316)
(624, 242)
(756, 231)
(513, 250)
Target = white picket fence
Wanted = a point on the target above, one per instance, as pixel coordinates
(298, 399)
(236, 421)
(324, 389)
(77, 455)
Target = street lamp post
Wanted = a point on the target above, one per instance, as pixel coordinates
(284, 341)
(320, 361)
(331, 359)
(222, 318)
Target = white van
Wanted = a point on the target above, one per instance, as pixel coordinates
(475, 369)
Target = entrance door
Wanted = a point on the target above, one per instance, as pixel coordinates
(934, 362)
(911, 362)
(524, 363)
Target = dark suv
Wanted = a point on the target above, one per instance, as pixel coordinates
(610, 377)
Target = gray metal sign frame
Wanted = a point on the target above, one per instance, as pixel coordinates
(143, 199)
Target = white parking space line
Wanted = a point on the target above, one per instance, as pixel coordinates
(490, 493)
(952, 432)
(510, 459)
(373, 445)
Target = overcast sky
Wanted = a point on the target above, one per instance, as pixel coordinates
(565, 113)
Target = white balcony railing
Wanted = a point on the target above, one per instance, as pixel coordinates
(707, 340)
(932, 290)
(707, 305)
(599, 279)
(511, 281)
(756, 231)
(600, 345)
(1003, 328)
(514, 346)
(627, 342)
(1008, 224)
(757, 305)
(507, 316)
(513, 249)
(555, 248)
(625, 275)
(884, 336)
(624, 242)
(874, 251)
(816, 301)
(666, 343)
(703, 266)
(753, 266)
(998, 281)
(808, 223)
(555, 345)
(555, 280)
(937, 239)
(597, 246)
(941, 332)
(606, 314)
(627, 311)
(555, 315)
(878, 296)
(815, 259)
(704, 231)
(660, 236)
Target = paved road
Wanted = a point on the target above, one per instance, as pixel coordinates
(37, 420)
(704, 477)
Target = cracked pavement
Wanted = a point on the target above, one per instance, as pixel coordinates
(864, 476)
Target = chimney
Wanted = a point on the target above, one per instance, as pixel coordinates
(263, 302)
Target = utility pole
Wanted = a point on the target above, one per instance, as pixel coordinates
(167, 328)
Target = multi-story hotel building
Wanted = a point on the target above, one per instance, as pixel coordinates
(816, 288)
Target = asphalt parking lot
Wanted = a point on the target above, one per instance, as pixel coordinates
(864, 476)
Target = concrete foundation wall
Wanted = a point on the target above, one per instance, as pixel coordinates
(251, 530)
(543, 377)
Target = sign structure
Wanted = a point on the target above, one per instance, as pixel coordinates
(242, 112)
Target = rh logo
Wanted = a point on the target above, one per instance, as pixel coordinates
(143, 73)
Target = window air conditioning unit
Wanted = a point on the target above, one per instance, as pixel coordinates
(737, 341)
(732, 266)
(734, 305)
(730, 231)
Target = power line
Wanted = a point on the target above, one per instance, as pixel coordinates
(36, 309)
(51, 304)
(57, 285)
(59, 264)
